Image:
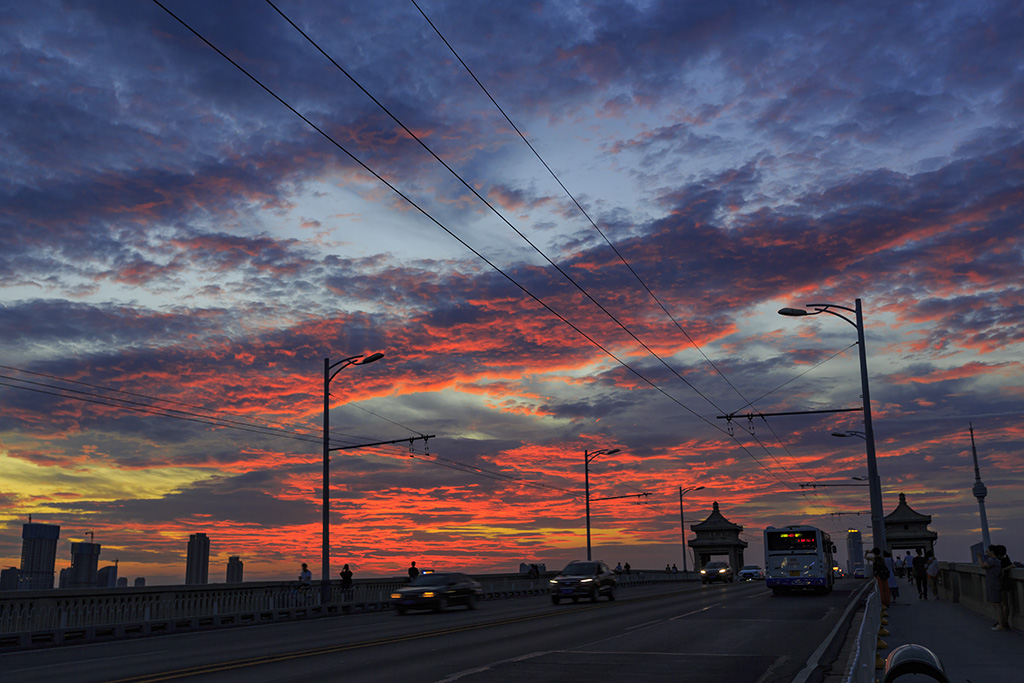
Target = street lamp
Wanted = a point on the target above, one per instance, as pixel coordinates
(682, 522)
(587, 457)
(874, 483)
(330, 371)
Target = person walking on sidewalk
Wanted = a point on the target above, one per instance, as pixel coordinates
(881, 574)
(894, 584)
(932, 570)
(920, 575)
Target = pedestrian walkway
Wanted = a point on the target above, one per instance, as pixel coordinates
(963, 640)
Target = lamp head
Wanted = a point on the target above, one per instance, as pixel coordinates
(370, 359)
(794, 312)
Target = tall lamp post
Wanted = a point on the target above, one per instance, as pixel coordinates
(587, 457)
(874, 483)
(330, 371)
(682, 522)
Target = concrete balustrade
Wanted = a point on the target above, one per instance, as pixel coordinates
(958, 582)
(965, 583)
(53, 617)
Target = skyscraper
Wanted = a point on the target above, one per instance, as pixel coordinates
(85, 559)
(38, 555)
(234, 569)
(854, 551)
(107, 577)
(197, 563)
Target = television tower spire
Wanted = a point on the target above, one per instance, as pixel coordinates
(980, 492)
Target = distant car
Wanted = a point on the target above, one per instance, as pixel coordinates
(437, 591)
(716, 571)
(583, 579)
(838, 573)
(750, 572)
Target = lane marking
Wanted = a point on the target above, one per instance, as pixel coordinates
(645, 625)
(697, 611)
(84, 661)
(488, 667)
(813, 660)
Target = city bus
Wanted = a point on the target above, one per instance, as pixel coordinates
(798, 557)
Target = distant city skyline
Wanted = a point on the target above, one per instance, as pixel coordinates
(180, 251)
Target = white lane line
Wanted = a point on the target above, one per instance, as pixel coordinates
(488, 667)
(812, 662)
(696, 611)
(85, 661)
(645, 625)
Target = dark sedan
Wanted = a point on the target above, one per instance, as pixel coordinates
(716, 571)
(583, 580)
(437, 591)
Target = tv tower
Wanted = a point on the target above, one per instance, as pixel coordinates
(980, 492)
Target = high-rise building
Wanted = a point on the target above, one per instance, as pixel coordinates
(854, 551)
(122, 582)
(85, 558)
(234, 569)
(140, 582)
(197, 562)
(107, 577)
(9, 579)
(38, 555)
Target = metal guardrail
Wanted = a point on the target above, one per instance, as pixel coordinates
(862, 663)
(54, 617)
(957, 582)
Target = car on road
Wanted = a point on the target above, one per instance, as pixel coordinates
(583, 579)
(437, 591)
(716, 571)
(750, 572)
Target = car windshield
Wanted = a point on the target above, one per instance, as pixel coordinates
(433, 579)
(581, 568)
(715, 565)
(752, 567)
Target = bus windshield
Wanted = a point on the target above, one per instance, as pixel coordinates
(805, 541)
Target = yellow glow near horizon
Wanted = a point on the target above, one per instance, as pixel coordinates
(34, 485)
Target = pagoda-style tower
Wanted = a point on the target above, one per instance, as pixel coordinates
(717, 536)
(906, 529)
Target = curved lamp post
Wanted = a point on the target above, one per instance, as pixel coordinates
(874, 484)
(330, 371)
(682, 522)
(587, 457)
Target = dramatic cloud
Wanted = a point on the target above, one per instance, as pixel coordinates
(179, 252)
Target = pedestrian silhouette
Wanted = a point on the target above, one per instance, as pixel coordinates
(413, 571)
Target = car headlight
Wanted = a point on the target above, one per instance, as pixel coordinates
(585, 580)
(721, 571)
(703, 571)
(553, 581)
(428, 594)
(396, 596)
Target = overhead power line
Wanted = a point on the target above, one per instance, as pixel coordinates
(474, 251)
(610, 244)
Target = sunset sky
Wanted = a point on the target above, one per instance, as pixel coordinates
(568, 226)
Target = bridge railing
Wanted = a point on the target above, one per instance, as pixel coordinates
(56, 616)
(957, 582)
(965, 583)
